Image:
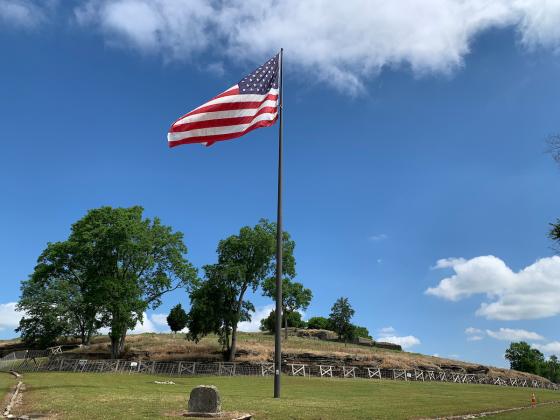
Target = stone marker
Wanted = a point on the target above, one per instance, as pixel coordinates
(205, 400)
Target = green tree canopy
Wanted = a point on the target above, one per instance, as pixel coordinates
(524, 358)
(319, 323)
(291, 319)
(340, 316)
(114, 265)
(177, 318)
(295, 297)
(361, 332)
(219, 303)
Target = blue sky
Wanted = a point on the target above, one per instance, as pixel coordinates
(416, 178)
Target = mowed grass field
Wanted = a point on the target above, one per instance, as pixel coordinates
(117, 396)
(6, 382)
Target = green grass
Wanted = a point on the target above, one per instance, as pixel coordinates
(6, 382)
(108, 396)
(543, 412)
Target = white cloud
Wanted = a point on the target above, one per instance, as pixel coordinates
(530, 293)
(9, 317)
(405, 341)
(144, 327)
(474, 338)
(509, 334)
(342, 43)
(160, 320)
(24, 13)
(473, 334)
(447, 263)
(378, 237)
(388, 334)
(255, 323)
(550, 348)
(386, 331)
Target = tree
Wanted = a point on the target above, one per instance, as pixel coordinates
(177, 318)
(554, 233)
(292, 319)
(553, 369)
(214, 308)
(340, 316)
(219, 303)
(295, 297)
(319, 323)
(114, 265)
(58, 298)
(524, 358)
(553, 147)
(361, 332)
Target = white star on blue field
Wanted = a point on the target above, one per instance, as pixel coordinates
(417, 182)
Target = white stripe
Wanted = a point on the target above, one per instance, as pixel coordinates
(212, 131)
(234, 113)
(238, 98)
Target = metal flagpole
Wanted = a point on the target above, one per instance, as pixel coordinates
(278, 333)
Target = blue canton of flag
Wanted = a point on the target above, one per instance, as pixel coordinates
(262, 79)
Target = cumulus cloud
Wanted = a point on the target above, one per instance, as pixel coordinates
(386, 331)
(160, 320)
(342, 43)
(472, 330)
(474, 334)
(255, 322)
(145, 326)
(550, 348)
(404, 341)
(475, 338)
(388, 334)
(24, 13)
(530, 293)
(378, 237)
(9, 317)
(508, 334)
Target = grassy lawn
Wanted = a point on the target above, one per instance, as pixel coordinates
(108, 396)
(544, 412)
(6, 381)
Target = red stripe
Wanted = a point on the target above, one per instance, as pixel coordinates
(221, 122)
(228, 106)
(221, 137)
(226, 93)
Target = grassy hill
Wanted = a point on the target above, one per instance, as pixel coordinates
(259, 347)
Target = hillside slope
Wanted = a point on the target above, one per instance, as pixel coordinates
(259, 347)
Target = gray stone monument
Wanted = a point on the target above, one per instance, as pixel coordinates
(205, 401)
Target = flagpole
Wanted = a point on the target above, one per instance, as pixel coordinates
(278, 333)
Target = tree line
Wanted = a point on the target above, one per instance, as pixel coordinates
(524, 358)
(116, 264)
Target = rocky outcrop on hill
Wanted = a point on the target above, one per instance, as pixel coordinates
(327, 335)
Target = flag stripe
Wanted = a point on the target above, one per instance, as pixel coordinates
(220, 122)
(236, 102)
(223, 114)
(226, 129)
(211, 139)
(233, 95)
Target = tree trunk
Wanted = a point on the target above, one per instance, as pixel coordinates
(114, 347)
(232, 349)
(122, 340)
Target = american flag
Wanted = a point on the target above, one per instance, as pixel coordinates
(250, 104)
